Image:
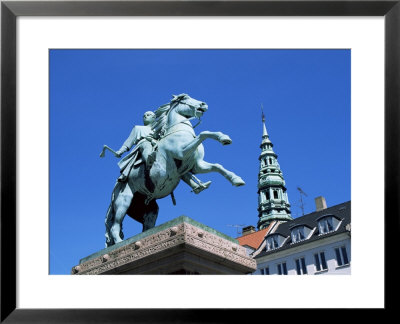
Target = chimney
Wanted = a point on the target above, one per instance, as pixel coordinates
(320, 203)
(248, 230)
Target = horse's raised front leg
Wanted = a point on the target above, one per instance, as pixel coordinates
(189, 148)
(205, 167)
(121, 205)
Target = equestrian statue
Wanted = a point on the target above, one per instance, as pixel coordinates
(166, 151)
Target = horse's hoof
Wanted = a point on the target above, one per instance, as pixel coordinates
(225, 140)
(238, 181)
(201, 187)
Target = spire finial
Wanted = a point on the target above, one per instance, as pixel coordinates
(263, 120)
(262, 114)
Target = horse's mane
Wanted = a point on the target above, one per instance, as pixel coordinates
(161, 113)
(159, 123)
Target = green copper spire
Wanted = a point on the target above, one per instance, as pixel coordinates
(273, 202)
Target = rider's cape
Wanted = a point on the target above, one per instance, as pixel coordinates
(134, 157)
(131, 157)
(136, 137)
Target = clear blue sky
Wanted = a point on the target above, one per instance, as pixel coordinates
(97, 96)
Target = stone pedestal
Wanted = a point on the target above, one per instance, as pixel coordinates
(180, 246)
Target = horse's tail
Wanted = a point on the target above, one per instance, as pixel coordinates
(109, 221)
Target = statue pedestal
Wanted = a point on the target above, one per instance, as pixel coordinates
(180, 246)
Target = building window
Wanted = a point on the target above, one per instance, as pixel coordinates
(320, 261)
(341, 256)
(275, 194)
(282, 269)
(270, 161)
(272, 242)
(267, 194)
(298, 234)
(325, 225)
(301, 266)
(265, 271)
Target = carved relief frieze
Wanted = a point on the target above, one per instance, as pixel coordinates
(134, 251)
(217, 245)
(183, 233)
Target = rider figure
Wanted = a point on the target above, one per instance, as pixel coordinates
(142, 137)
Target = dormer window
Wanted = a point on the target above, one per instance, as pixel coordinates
(298, 234)
(272, 242)
(275, 241)
(326, 225)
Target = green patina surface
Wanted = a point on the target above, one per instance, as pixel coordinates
(270, 179)
(269, 183)
(154, 230)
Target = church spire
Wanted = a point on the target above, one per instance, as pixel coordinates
(273, 202)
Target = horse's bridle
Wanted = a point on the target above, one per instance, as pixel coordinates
(179, 101)
(165, 133)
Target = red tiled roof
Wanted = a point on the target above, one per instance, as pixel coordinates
(253, 239)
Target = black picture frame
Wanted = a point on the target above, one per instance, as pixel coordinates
(10, 10)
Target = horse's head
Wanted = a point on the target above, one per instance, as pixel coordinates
(187, 106)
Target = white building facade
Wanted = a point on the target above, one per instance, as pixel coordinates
(315, 244)
(317, 258)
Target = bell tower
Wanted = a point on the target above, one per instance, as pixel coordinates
(273, 202)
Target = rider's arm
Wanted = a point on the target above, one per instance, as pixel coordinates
(137, 133)
(122, 150)
(132, 139)
(129, 142)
